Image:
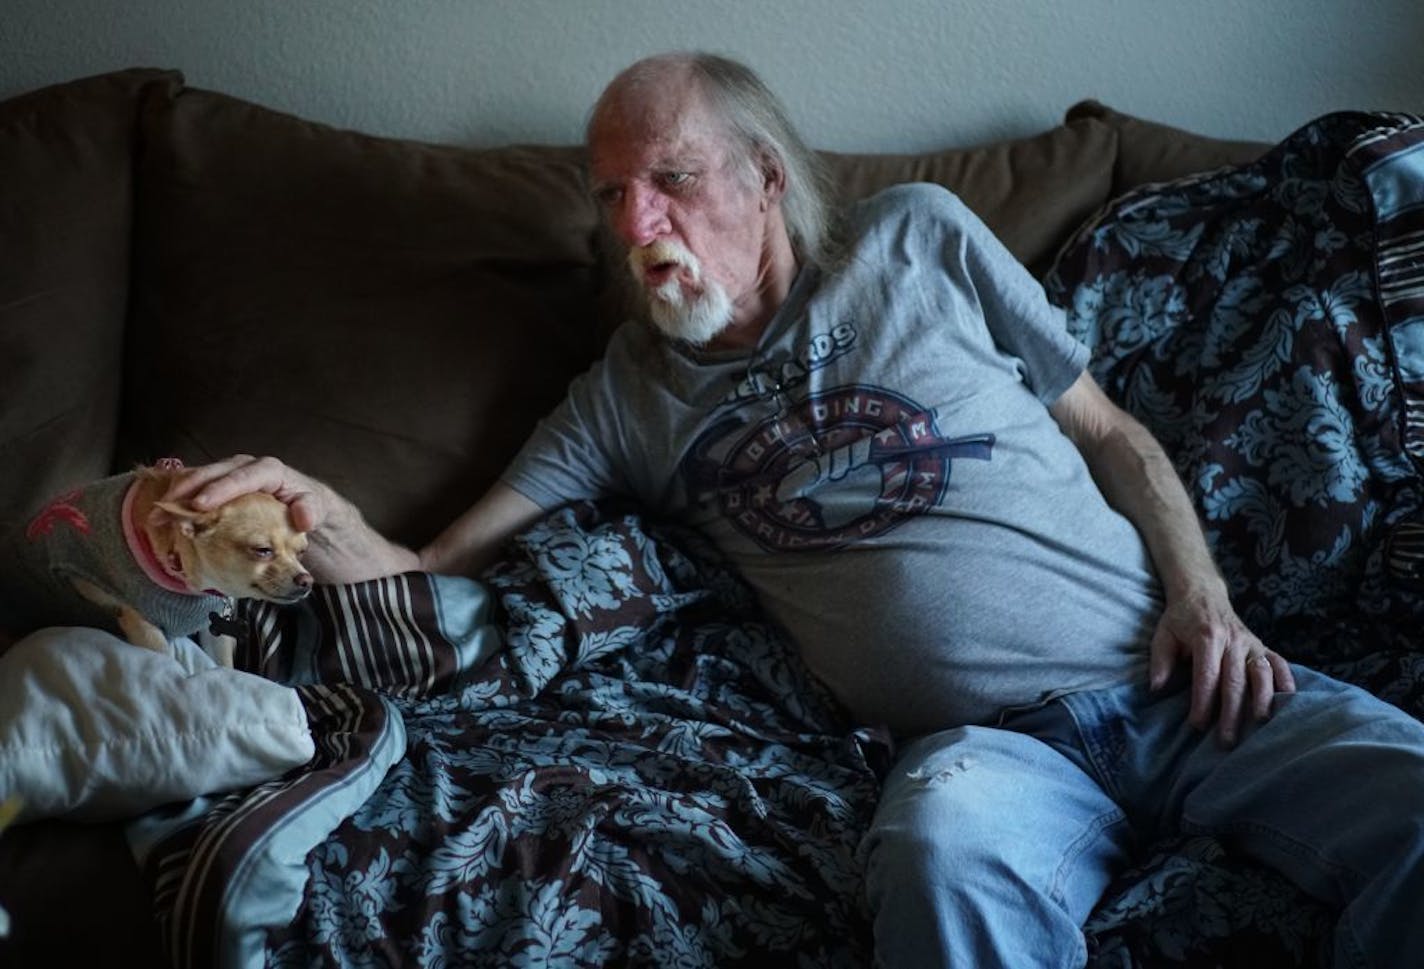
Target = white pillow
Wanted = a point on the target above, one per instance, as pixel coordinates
(93, 728)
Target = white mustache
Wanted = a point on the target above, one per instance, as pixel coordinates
(664, 251)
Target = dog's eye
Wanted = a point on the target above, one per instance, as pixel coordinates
(262, 551)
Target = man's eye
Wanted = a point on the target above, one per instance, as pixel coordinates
(674, 179)
(608, 196)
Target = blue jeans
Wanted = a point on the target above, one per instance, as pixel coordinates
(992, 845)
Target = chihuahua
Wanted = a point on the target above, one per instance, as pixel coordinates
(113, 553)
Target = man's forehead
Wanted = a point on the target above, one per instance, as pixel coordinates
(651, 153)
(650, 133)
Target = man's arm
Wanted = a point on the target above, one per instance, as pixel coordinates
(472, 540)
(343, 546)
(1228, 662)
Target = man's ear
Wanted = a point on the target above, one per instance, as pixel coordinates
(773, 178)
(190, 522)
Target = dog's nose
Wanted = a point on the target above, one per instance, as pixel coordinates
(303, 580)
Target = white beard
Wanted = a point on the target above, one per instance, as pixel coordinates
(696, 317)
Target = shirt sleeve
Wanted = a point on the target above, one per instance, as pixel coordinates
(1020, 319)
(572, 454)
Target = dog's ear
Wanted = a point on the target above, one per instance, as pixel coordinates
(190, 522)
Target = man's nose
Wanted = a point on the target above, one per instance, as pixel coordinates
(642, 217)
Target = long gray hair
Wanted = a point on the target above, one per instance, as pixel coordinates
(761, 132)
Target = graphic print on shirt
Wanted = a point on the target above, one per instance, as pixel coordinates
(841, 466)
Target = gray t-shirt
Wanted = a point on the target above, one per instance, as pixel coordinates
(883, 469)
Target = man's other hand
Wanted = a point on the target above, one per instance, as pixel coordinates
(1233, 673)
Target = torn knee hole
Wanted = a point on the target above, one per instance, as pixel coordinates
(939, 775)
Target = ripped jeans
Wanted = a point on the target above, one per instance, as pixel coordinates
(991, 846)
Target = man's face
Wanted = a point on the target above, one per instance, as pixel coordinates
(693, 218)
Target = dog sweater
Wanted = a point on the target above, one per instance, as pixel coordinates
(83, 534)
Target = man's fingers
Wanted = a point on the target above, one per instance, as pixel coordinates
(244, 475)
(1285, 679)
(1206, 677)
(1262, 676)
(215, 484)
(304, 513)
(1162, 658)
(192, 480)
(1270, 674)
(1231, 693)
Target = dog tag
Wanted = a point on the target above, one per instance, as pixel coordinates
(220, 625)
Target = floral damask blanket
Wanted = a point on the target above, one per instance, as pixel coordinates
(1266, 322)
(633, 770)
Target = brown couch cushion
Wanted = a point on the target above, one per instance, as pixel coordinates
(1153, 152)
(66, 209)
(389, 316)
(1030, 191)
(75, 898)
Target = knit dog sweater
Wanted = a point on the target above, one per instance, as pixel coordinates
(87, 533)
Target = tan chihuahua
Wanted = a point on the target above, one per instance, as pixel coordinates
(155, 569)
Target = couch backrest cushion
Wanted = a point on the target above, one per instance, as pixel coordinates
(1032, 192)
(66, 207)
(1149, 151)
(389, 316)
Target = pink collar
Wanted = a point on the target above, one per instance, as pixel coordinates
(168, 575)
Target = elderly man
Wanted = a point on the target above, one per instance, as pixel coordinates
(889, 432)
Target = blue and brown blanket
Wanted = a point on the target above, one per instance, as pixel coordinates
(633, 769)
(604, 755)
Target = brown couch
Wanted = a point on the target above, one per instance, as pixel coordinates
(184, 273)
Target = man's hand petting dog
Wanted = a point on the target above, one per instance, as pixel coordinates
(344, 548)
(309, 502)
